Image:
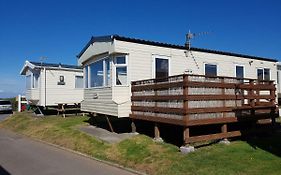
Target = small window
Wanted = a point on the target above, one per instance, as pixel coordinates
(267, 74)
(210, 70)
(86, 75)
(263, 74)
(78, 81)
(35, 81)
(121, 75)
(121, 60)
(28, 82)
(120, 70)
(239, 71)
(277, 77)
(161, 68)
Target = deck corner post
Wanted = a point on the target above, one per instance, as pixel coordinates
(186, 148)
(186, 136)
(157, 137)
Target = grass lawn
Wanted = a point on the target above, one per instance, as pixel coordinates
(254, 156)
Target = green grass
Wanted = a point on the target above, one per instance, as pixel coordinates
(255, 156)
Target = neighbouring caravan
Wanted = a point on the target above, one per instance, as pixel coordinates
(112, 62)
(52, 84)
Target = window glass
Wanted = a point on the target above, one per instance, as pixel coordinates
(210, 70)
(96, 70)
(260, 74)
(266, 74)
(78, 81)
(120, 60)
(108, 77)
(35, 81)
(121, 75)
(86, 75)
(28, 82)
(161, 68)
(278, 77)
(239, 72)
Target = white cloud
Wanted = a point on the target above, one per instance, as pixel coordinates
(1, 91)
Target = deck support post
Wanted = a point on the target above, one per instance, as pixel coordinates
(224, 130)
(109, 123)
(157, 137)
(133, 126)
(186, 148)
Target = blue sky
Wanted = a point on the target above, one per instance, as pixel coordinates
(59, 29)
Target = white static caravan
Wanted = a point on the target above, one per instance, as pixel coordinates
(111, 62)
(52, 84)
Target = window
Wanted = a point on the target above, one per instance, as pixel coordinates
(86, 75)
(161, 68)
(277, 77)
(120, 70)
(266, 74)
(28, 82)
(263, 74)
(78, 81)
(239, 71)
(107, 70)
(210, 70)
(35, 81)
(96, 71)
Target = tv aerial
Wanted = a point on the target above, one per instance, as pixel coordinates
(189, 36)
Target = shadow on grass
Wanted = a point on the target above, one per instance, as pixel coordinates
(268, 140)
(3, 171)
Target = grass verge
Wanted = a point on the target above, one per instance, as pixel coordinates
(255, 156)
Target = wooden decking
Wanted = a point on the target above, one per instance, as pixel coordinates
(192, 100)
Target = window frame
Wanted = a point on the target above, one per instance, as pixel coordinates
(263, 68)
(33, 81)
(154, 57)
(30, 83)
(235, 71)
(214, 64)
(115, 66)
(75, 76)
(89, 76)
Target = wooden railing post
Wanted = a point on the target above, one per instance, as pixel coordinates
(223, 93)
(252, 100)
(185, 101)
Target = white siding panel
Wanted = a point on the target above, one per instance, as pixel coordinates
(99, 100)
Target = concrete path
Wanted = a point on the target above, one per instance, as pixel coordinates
(106, 135)
(23, 156)
(3, 116)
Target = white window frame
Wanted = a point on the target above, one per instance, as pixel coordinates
(89, 72)
(217, 66)
(75, 81)
(115, 65)
(263, 72)
(243, 69)
(154, 56)
(30, 86)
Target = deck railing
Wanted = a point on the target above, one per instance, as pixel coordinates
(189, 100)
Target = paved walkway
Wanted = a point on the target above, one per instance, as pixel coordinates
(106, 135)
(23, 156)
